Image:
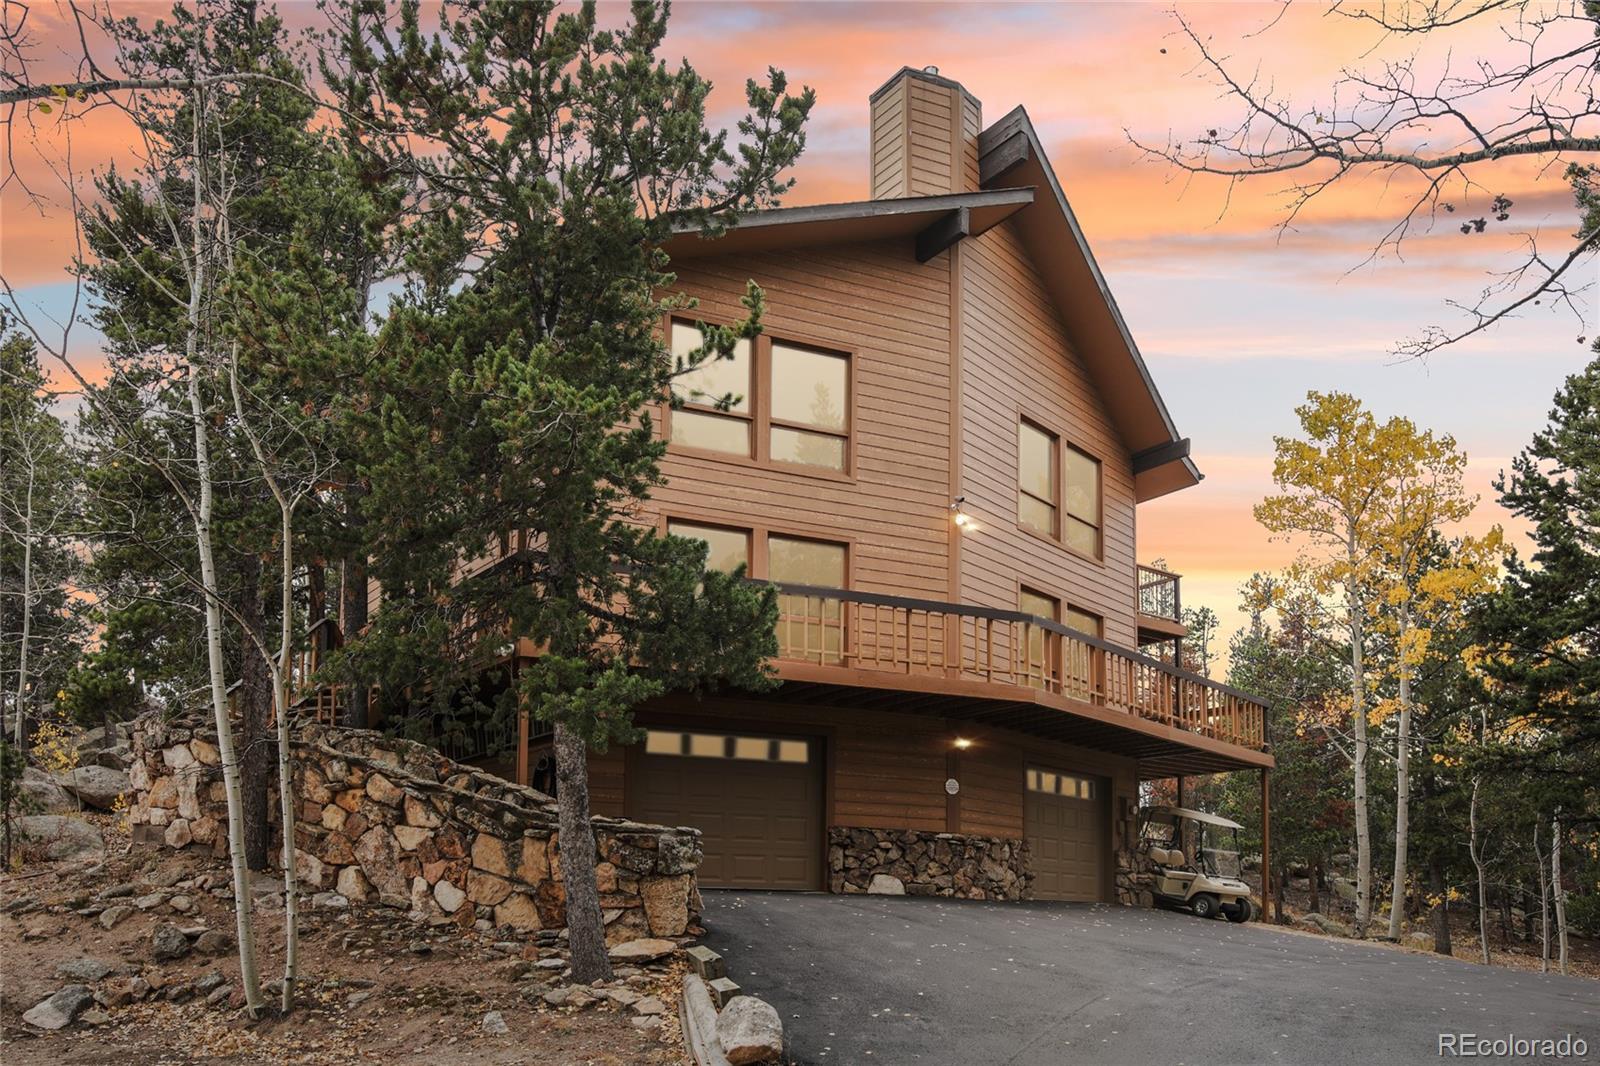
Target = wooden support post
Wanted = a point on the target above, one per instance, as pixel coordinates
(1266, 839)
(524, 771)
(1179, 803)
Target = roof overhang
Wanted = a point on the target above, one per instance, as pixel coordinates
(1010, 155)
(937, 222)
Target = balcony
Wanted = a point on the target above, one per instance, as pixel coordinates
(1160, 608)
(1012, 669)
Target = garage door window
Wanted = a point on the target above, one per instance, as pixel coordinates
(726, 746)
(1059, 784)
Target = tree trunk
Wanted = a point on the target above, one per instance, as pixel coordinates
(1402, 785)
(27, 620)
(353, 601)
(1559, 892)
(1315, 886)
(1478, 864)
(1544, 901)
(1441, 909)
(255, 707)
(1277, 897)
(585, 924)
(1358, 716)
(286, 793)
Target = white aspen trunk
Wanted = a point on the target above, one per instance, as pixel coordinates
(1358, 715)
(1544, 901)
(1557, 891)
(228, 756)
(280, 700)
(27, 615)
(1477, 862)
(1402, 785)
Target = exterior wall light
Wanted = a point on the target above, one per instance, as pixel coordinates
(959, 515)
(963, 743)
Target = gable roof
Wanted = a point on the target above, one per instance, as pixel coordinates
(1009, 154)
(1018, 183)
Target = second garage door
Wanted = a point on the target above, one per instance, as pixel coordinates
(757, 801)
(1066, 830)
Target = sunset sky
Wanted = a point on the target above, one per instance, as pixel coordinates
(1236, 320)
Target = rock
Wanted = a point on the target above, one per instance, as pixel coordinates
(649, 1005)
(1323, 923)
(213, 980)
(421, 814)
(519, 912)
(881, 885)
(98, 786)
(181, 904)
(489, 853)
(61, 837)
(213, 942)
(112, 917)
(622, 997)
(205, 752)
(122, 891)
(410, 837)
(308, 869)
(750, 1031)
(150, 902)
(1344, 888)
(167, 942)
(352, 884)
(645, 949)
(379, 857)
(178, 756)
(86, 970)
(94, 1016)
(666, 905)
(448, 896)
(561, 997)
(43, 793)
(648, 1023)
(61, 1009)
(219, 995)
(330, 901)
(383, 790)
(178, 835)
(494, 1024)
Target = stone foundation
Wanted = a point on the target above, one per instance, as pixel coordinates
(1136, 878)
(926, 863)
(388, 820)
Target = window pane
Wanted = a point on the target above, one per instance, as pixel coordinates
(1037, 603)
(1047, 782)
(707, 746)
(714, 378)
(810, 387)
(1083, 537)
(1082, 621)
(811, 449)
(1035, 462)
(657, 742)
(1083, 487)
(717, 433)
(793, 751)
(752, 748)
(805, 562)
(1035, 514)
(729, 548)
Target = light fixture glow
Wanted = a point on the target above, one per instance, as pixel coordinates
(957, 513)
(963, 743)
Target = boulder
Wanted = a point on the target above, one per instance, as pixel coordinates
(61, 1009)
(448, 896)
(60, 837)
(494, 1024)
(519, 912)
(86, 970)
(167, 943)
(885, 885)
(749, 1030)
(666, 905)
(383, 790)
(644, 949)
(1344, 888)
(1322, 923)
(43, 793)
(213, 942)
(352, 884)
(379, 857)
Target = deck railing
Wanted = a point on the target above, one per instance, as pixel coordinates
(1158, 594)
(897, 635)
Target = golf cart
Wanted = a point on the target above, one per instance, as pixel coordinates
(1207, 887)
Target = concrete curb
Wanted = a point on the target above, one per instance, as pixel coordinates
(698, 1016)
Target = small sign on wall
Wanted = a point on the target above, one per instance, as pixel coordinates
(952, 786)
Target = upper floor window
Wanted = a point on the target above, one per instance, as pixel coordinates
(726, 549)
(1083, 622)
(1052, 479)
(790, 402)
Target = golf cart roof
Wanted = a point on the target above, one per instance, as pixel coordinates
(1198, 816)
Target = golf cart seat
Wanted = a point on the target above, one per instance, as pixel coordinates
(1175, 858)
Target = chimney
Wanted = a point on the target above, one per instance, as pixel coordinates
(924, 136)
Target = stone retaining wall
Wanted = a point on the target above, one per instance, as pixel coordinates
(1136, 878)
(384, 819)
(926, 863)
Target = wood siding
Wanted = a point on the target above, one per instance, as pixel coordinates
(889, 143)
(892, 314)
(924, 139)
(1017, 360)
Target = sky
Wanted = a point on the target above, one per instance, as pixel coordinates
(1236, 318)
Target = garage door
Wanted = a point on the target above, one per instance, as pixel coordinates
(1066, 829)
(757, 801)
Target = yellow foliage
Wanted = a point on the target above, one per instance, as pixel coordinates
(55, 746)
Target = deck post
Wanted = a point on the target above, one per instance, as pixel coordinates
(524, 771)
(1179, 802)
(1266, 839)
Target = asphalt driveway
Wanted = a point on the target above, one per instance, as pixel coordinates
(877, 979)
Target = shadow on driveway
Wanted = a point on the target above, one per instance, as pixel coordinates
(881, 979)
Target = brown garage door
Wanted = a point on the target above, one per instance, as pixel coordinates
(1066, 829)
(757, 801)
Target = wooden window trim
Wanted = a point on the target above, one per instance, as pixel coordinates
(1055, 479)
(759, 417)
(1059, 479)
(666, 523)
(1099, 524)
(759, 532)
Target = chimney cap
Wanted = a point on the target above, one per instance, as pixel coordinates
(929, 73)
(931, 69)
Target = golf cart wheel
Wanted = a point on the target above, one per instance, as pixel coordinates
(1206, 905)
(1240, 912)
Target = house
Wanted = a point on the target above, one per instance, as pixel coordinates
(943, 438)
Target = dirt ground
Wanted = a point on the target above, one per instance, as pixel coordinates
(375, 987)
(1506, 948)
